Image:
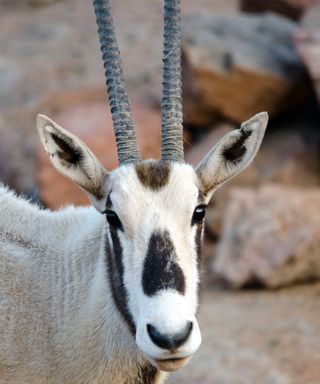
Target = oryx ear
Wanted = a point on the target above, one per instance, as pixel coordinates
(232, 154)
(70, 156)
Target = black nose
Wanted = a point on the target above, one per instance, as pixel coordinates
(170, 342)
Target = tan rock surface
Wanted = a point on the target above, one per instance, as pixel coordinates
(238, 65)
(286, 157)
(271, 236)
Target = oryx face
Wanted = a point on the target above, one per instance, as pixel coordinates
(155, 212)
(154, 216)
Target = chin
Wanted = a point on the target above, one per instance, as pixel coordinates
(170, 365)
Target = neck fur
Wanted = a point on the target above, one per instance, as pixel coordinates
(88, 314)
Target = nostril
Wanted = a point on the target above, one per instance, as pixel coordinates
(169, 341)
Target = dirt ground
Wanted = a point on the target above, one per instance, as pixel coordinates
(257, 337)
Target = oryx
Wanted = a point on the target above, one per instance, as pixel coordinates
(109, 293)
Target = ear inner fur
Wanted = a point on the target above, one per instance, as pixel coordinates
(232, 154)
(68, 153)
(237, 150)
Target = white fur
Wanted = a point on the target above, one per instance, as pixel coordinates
(58, 322)
(143, 211)
(58, 319)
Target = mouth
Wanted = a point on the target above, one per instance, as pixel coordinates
(170, 365)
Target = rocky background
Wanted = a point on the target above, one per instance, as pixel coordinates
(260, 311)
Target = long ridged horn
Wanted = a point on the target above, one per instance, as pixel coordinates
(172, 129)
(128, 149)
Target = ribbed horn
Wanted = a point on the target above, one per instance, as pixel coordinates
(128, 149)
(172, 129)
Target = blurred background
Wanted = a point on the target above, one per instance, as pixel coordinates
(260, 311)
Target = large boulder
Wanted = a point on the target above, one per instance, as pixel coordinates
(271, 237)
(237, 65)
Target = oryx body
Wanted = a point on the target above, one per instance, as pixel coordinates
(109, 294)
(58, 320)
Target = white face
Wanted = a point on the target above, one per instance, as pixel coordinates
(158, 230)
(155, 212)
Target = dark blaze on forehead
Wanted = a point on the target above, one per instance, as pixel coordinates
(153, 174)
(160, 269)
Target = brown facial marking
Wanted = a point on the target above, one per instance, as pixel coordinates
(154, 174)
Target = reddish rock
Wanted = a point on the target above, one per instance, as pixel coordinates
(270, 237)
(238, 65)
(87, 115)
(293, 9)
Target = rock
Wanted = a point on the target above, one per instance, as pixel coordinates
(86, 114)
(308, 45)
(238, 65)
(271, 237)
(17, 147)
(293, 9)
(287, 156)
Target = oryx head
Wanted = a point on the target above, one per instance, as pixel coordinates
(154, 208)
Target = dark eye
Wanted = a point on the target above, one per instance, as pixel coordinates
(199, 214)
(113, 219)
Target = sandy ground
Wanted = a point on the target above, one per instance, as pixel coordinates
(257, 337)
